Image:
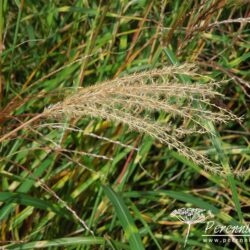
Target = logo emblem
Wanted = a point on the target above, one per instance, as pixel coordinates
(191, 216)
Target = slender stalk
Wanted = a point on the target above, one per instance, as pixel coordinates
(6, 136)
(189, 226)
(16, 30)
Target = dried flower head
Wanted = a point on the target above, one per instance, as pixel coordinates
(137, 100)
(189, 215)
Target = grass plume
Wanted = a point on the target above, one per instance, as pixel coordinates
(137, 100)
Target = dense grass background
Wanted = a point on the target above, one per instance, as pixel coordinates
(47, 46)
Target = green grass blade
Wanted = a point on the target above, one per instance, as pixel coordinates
(125, 218)
(76, 241)
(184, 197)
(27, 200)
(20, 7)
(145, 224)
(224, 161)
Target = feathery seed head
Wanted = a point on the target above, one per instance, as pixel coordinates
(136, 99)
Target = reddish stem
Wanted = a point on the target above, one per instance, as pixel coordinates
(125, 167)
